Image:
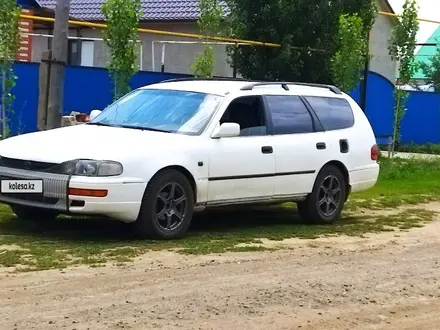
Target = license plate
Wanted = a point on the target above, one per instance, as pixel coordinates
(22, 186)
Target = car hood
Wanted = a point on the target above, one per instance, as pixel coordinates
(89, 142)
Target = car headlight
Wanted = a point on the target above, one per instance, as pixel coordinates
(84, 167)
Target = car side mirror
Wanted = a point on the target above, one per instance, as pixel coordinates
(94, 114)
(227, 130)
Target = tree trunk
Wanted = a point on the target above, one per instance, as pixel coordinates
(396, 121)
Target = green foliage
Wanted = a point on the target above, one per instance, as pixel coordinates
(297, 25)
(368, 13)
(402, 48)
(432, 70)
(211, 15)
(348, 62)
(9, 42)
(203, 67)
(122, 17)
(209, 23)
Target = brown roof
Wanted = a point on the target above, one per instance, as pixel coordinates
(387, 3)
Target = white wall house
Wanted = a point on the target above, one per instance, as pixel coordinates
(381, 61)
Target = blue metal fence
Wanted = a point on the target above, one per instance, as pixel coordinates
(379, 103)
(85, 89)
(91, 88)
(24, 116)
(421, 123)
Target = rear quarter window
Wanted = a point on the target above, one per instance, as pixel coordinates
(334, 113)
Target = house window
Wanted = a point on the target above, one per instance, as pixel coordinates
(73, 56)
(87, 53)
(81, 52)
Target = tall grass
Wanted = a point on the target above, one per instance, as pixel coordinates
(428, 148)
(406, 178)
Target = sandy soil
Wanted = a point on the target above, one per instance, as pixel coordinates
(386, 281)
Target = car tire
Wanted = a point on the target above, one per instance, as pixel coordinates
(324, 205)
(166, 213)
(33, 214)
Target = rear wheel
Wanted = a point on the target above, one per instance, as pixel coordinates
(167, 207)
(33, 214)
(324, 205)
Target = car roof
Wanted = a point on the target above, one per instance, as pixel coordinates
(224, 87)
(218, 87)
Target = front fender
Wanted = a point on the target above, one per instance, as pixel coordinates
(192, 164)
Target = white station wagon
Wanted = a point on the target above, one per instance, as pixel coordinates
(166, 150)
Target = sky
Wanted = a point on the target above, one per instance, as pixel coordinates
(429, 9)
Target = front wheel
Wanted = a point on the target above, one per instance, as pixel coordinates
(33, 214)
(324, 205)
(167, 207)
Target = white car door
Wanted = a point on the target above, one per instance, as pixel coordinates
(299, 145)
(242, 168)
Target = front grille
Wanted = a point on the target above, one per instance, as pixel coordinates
(21, 164)
(54, 194)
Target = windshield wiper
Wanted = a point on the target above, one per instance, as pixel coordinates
(102, 124)
(131, 127)
(142, 128)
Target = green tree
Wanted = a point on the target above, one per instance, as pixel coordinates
(9, 42)
(432, 70)
(297, 25)
(210, 21)
(348, 61)
(402, 49)
(122, 17)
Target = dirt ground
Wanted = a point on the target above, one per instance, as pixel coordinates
(384, 281)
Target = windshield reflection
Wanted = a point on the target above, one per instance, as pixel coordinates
(160, 110)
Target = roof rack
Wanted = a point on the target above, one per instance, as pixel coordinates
(210, 79)
(285, 85)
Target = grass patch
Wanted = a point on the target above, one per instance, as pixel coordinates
(401, 181)
(429, 148)
(96, 242)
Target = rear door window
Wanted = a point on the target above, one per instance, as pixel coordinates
(334, 113)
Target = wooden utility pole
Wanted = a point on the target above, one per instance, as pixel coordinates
(58, 62)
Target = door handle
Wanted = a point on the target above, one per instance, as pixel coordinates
(267, 150)
(321, 146)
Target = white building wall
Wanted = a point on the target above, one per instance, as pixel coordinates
(381, 61)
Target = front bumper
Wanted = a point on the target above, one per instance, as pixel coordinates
(122, 201)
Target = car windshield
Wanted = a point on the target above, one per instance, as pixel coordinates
(161, 110)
